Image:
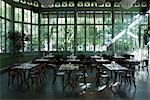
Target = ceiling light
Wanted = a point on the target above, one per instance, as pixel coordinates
(47, 2)
(99, 2)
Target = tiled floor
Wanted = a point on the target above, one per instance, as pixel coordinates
(47, 92)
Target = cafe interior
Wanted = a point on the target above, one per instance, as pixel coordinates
(74, 49)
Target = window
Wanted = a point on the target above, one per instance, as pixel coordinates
(89, 37)
(34, 18)
(70, 37)
(27, 16)
(80, 38)
(61, 18)
(27, 32)
(18, 14)
(52, 18)
(70, 17)
(98, 37)
(61, 37)
(44, 18)
(3, 9)
(52, 37)
(8, 11)
(35, 38)
(2, 35)
(44, 38)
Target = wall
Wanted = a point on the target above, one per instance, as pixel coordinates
(7, 59)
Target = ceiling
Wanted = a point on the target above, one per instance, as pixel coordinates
(88, 0)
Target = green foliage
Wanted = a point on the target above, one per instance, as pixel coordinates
(16, 39)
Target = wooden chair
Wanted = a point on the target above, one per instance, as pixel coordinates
(14, 73)
(57, 73)
(35, 74)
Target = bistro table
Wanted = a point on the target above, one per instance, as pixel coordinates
(132, 63)
(95, 57)
(42, 60)
(25, 67)
(48, 56)
(115, 68)
(73, 61)
(69, 68)
(71, 57)
(102, 61)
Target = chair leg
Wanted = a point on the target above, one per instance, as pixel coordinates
(63, 81)
(54, 80)
(8, 80)
(12, 81)
(41, 81)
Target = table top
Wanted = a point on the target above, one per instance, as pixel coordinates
(118, 57)
(73, 60)
(26, 66)
(115, 67)
(69, 67)
(71, 56)
(49, 56)
(95, 57)
(42, 60)
(102, 60)
(132, 60)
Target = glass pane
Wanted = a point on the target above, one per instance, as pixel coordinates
(144, 19)
(18, 14)
(35, 38)
(52, 37)
(89, 18)
(52, 18)
(108, 17)
(27, 32)
(18, 27)
(44, 18)
(70, 17)
(99, 37)
(7, 40)
(44, 38)
(89, 38)
(108, 35)
(70, 37)
(118, 23)
(61, 18)
(61, 37)
(143, 28)
(8, 11)
(27, 16)
(81, 17)
(3, 9)
(80, 38)
(2, 35)
(126, 19)
(98, 18)
(34, 18)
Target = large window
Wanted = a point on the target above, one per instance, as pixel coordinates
(88, 29)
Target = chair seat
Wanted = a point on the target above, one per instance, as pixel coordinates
(79, 74)
(33, 76)
(51, 65)
(60, 73)
(93, 65)
(105, 76)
